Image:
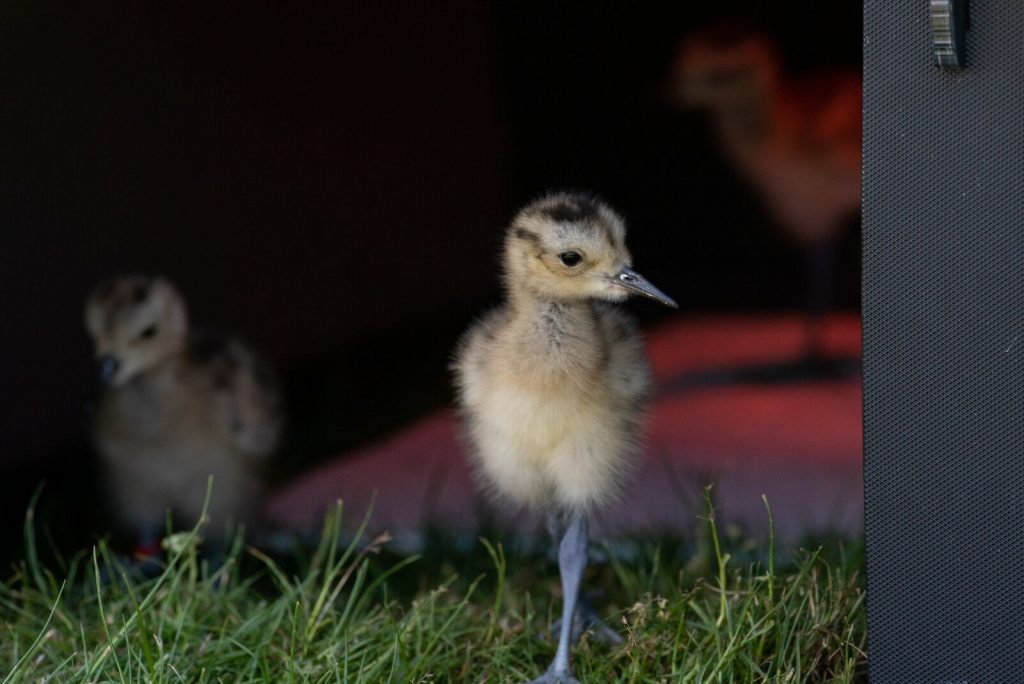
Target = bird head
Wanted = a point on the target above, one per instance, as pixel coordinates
(572, 247)
(135, 322)
(723, 68)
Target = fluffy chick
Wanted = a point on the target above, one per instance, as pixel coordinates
(797, 140)
(177, 407)
(553, 385)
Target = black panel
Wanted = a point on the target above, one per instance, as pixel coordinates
(944, 338)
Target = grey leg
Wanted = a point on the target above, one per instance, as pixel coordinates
(556, 523)
(572, 561)
(586, 618)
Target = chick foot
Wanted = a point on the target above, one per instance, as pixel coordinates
(551, 677)
(586, 619)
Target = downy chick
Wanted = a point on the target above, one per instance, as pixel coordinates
(176, 407)
(554, 384)
(796, 140)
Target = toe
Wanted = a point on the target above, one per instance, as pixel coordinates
(555, 678)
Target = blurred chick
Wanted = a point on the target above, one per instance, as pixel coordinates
(797, 140)
(176, 407)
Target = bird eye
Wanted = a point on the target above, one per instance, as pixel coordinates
(147, 333)
(570, 258)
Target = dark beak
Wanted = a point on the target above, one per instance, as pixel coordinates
(106, 369)
(634, 282)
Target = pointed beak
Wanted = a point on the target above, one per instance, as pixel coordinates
(634, 282)
(106, 369)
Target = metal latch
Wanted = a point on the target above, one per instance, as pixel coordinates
(950, 21)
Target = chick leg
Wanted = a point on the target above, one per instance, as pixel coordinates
(572, 561)
(586, 616)
(822, 265)
(588, 619)
(147, 539)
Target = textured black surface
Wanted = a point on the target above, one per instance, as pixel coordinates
(944, 339)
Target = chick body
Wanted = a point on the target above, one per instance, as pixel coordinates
(553, 384)
(554, 393)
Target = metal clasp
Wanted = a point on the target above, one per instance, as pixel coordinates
(950, 21)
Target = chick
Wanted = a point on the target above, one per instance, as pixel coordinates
(796, 140)
(175, 408)
(554, 384)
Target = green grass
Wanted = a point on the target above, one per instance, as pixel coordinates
(718, 610)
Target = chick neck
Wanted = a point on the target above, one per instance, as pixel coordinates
(556, 335)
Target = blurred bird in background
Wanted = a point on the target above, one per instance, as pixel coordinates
(173, 408)
(796, 140)
(554, 384)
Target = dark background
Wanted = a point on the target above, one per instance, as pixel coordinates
(330, 180)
